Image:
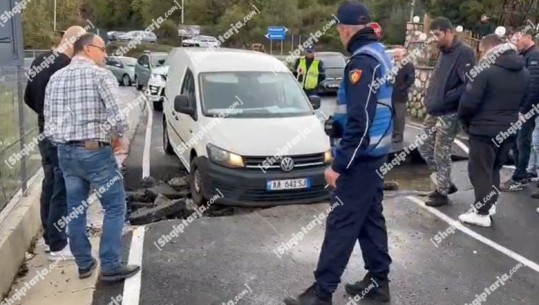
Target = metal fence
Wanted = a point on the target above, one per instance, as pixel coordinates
(19, 153)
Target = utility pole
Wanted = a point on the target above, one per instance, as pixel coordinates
(412, 11)
(183, 9)
(54, 26)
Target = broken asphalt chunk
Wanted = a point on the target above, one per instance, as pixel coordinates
(141, 196)
(167, 191)
(179, 182)
(163, 207)
(149, 181)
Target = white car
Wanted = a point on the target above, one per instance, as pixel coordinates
(156, 87)
(244, 129)
(201, 41)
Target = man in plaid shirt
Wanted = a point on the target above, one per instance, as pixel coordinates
(83, 117)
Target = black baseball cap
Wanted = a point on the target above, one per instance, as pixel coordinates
(353, 13)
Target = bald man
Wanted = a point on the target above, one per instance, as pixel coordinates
(403, 81)
(53, 192)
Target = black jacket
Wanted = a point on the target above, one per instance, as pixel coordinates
(484, 28)
(41, 70)
(531, 61)
(403, 81)
(448, 79)
(308, 62)
(492, 98)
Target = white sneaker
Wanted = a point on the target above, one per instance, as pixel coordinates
(537, 210)
(475, 219)
(62, 255)
(46, 248)
(492, 210)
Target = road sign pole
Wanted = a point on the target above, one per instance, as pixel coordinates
(271, 47)
(282, 42)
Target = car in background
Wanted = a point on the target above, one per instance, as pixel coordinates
(113, 35)
(123, 68)
(146, 63)
(156, 87)
(201, 41)
(143, 36)
(334, 63)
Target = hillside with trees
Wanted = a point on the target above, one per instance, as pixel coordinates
(301, 17)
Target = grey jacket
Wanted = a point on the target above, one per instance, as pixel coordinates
(449, 78)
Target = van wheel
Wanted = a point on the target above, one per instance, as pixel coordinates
(166, 141)
(195, 183)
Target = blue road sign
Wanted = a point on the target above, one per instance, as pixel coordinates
(276, 33)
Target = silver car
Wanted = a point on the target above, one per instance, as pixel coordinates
(123, 68)
(142, 36)
(145, 65)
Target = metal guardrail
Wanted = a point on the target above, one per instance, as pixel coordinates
(33, 53)
(18, 128)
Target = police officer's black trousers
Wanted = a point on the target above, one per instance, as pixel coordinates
(358, 218)
(486, 159)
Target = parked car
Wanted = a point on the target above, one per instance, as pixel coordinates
(123, 68)
(201, 41)
(143, 36)
(259, 107)
(146, 63)
(156, 87)
(113, 35)
(334, 63)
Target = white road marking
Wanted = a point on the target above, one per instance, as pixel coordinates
(462, 146)
(457, 224)
(131, 293)
(147, 143)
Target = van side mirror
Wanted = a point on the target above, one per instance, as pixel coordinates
(182, 105)
(316, 101)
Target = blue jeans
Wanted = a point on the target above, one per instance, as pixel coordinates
(83, 169)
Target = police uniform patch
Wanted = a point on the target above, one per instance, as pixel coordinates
(355, 75)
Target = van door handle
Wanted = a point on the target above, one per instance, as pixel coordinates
(190, 130)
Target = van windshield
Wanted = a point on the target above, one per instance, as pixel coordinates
(252, 95)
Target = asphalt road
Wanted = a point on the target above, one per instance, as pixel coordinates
(233, 259)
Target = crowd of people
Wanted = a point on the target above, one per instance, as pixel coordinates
(75, 97)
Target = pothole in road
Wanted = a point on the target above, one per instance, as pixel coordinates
(159, 200)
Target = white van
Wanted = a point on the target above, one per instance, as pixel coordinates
(244, 129)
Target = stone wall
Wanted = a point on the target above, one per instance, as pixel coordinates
(422, 56)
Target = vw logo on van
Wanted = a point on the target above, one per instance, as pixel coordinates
(287, 164)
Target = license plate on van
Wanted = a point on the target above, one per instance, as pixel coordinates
(288, 184)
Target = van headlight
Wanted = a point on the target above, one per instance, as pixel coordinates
(328, 157)
(223, 157)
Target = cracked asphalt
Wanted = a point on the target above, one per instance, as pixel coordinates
(215, 259)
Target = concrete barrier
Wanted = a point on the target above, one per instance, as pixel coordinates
(19, 225)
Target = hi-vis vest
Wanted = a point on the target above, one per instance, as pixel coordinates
(380, 127)
(310, 78)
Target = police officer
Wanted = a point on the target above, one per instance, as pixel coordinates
(309, 71)
(357, 188)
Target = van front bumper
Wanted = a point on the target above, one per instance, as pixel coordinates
(247, 187)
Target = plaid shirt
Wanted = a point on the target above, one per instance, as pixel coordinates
(82, 103)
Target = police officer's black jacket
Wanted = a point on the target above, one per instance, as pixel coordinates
(449, 79)
(491, 101)
(531, 61)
